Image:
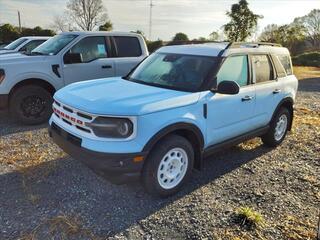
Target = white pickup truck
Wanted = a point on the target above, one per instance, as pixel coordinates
(23, 44)
(28, 81)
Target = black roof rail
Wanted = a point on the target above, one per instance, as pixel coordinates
(247, 44)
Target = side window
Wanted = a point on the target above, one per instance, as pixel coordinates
(286, 63)
(281, 72)
(262, 68)
(90, 48)
(31, 45)
(234, 69)
(128, 46)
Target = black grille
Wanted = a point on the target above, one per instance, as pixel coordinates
(57, 103)
(84, 116)
(67, 109)
(66, 121)
(83, 129)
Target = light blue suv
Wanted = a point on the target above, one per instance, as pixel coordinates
(179, 105)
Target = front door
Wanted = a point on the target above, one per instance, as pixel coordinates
(94, 61)
(231, 115)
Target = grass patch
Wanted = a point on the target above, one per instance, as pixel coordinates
(60, 227)
(306, 72)
(295, 229)
(249, 218)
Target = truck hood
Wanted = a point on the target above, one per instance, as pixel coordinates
(4, 51)
(19, 58)
(116, 96)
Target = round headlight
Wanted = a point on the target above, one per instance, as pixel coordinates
(124, 128)
(109, 127)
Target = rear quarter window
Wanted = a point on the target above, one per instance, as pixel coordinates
(286, 63)
(127, 46)
(281, 72)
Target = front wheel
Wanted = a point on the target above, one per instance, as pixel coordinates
(168, 167)
(278, 128)
(31, 104)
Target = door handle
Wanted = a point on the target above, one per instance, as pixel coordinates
(106, 66)
(276, 91)
(246, 98)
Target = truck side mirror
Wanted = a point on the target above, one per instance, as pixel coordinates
(70, 58)
(228, 87)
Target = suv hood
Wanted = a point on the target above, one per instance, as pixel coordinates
(116, 96)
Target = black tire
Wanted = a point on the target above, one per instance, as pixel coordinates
(269, 138)
(150, 169)
(31, 105)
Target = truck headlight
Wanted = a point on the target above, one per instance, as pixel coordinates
(2, 75)
(109, 127)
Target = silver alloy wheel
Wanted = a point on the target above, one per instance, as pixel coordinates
(172, 168)
(281, 127)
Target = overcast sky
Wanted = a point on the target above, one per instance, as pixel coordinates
(196, 18)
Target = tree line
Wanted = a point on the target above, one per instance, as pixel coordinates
(8, 33)
(87, 15)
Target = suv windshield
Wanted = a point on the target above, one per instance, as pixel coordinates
(54, 45)
(15, 44)
(174, 71)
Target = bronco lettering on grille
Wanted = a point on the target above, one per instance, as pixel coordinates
(67, 117)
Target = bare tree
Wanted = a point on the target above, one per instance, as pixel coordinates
(60, 23)
(270, 34)
(311, 23)
(214, 36)
(87, 14)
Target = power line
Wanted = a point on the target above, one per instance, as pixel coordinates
(150, 20)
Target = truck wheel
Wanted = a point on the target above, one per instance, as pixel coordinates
(31, 105)
(168, 166)
(278, 128)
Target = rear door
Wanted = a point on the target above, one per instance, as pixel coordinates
(267, 86)
(127, 53)
(95, 62)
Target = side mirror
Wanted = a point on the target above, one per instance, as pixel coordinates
(228, 87)
(70, 58)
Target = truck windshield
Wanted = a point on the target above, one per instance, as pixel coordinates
(174, 71)
(15, 44)
(54, 45)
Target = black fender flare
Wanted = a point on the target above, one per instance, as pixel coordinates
(188, 130)
(288, 103)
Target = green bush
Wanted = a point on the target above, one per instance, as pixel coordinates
(311, 59)
(153, 46)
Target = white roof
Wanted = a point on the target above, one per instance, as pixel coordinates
(214, 49)
(36, 37)
(207, 49)
(99, 33)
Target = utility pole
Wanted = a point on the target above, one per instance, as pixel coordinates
(19, 21)
(150, 20)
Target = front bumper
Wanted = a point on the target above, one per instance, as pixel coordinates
(102, 163)
(4, 100)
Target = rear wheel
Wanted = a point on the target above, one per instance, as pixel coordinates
(278, 128)
(168, 167)
(31, 104)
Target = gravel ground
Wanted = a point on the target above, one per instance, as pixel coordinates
(45, 194)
